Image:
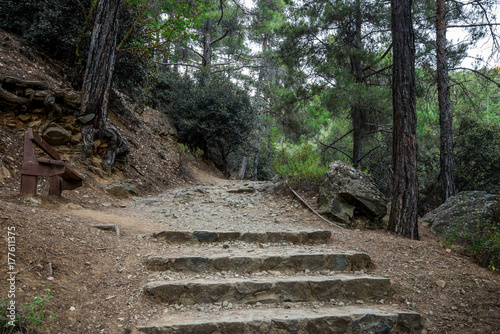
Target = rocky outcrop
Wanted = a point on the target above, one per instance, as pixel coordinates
(350, 197)
(465, 209)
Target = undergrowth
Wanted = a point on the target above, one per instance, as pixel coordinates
(481, 241)
(303, 164)
(27, 317)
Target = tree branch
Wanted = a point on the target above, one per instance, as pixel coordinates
(219, 38)
(472, 25)
(376, 72)
(478, 73)
(133, 25)
(221, 11)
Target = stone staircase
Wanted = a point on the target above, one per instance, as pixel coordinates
(298, 287)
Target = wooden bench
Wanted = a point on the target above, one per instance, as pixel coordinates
(61, 177)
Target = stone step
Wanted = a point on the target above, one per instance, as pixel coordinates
(270, 290)
(302, 320)
(302, 237)
(256, 263)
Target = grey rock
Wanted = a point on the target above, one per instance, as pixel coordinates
(373, 324)
(349, 320)
(350, 197)
(117, 190)
(206, 236)
(133, 190)
(151, 201)
(86, 118)
(57, 135)
(462, 212)
(241, 190)
(305, 289)
(108, 227)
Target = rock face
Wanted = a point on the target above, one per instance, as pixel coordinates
(467, 208)
(350, 197)
(57, 135)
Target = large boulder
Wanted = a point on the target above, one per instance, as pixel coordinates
(350, 197)
(465, 209)
(57, 135)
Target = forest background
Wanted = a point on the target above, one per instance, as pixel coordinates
(276, 87)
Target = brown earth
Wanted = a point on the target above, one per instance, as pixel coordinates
(97, 276)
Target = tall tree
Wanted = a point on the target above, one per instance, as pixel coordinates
(403, 216)
(97, 82)
(327, 41)
(447, 174)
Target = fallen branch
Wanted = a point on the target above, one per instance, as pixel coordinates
(310, 208)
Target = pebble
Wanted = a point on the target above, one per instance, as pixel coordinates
(441, 283)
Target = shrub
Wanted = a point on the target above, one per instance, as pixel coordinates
(56, 27)
(477, 154)
(29, 315)
(303, 164)
(482, 241)
(212, 115)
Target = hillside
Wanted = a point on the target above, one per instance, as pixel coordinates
(97, 276)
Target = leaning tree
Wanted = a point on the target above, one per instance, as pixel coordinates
(97, 83)
(161, 23)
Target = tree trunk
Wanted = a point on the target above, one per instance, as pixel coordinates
(97, 82)
(445, 117)
(243, 168)
(357, 112)
(403, 217)
(258, 93)
(257, 156)
(207, 46)
(357, 117)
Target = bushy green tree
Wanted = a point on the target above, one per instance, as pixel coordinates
(53, 26)
(210, 112)
(477, 154)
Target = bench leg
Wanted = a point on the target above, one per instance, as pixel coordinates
(28, 185)
(55, 186)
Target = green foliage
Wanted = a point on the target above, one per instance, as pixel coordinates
(477, 154)
(482, 241)
(198, 152)
(211, 114)
(301, 164)
(63, 28)
(28, 316)
(53, 26)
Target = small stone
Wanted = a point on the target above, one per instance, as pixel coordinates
(441, 283)
(86, 118)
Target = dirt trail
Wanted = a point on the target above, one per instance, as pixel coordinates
(98, 277)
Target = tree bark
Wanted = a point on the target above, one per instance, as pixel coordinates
(258, 93)
(97, 82)
(403, 216)
(243, 168)
(207, 47)
(357, 112)
(445, 117)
